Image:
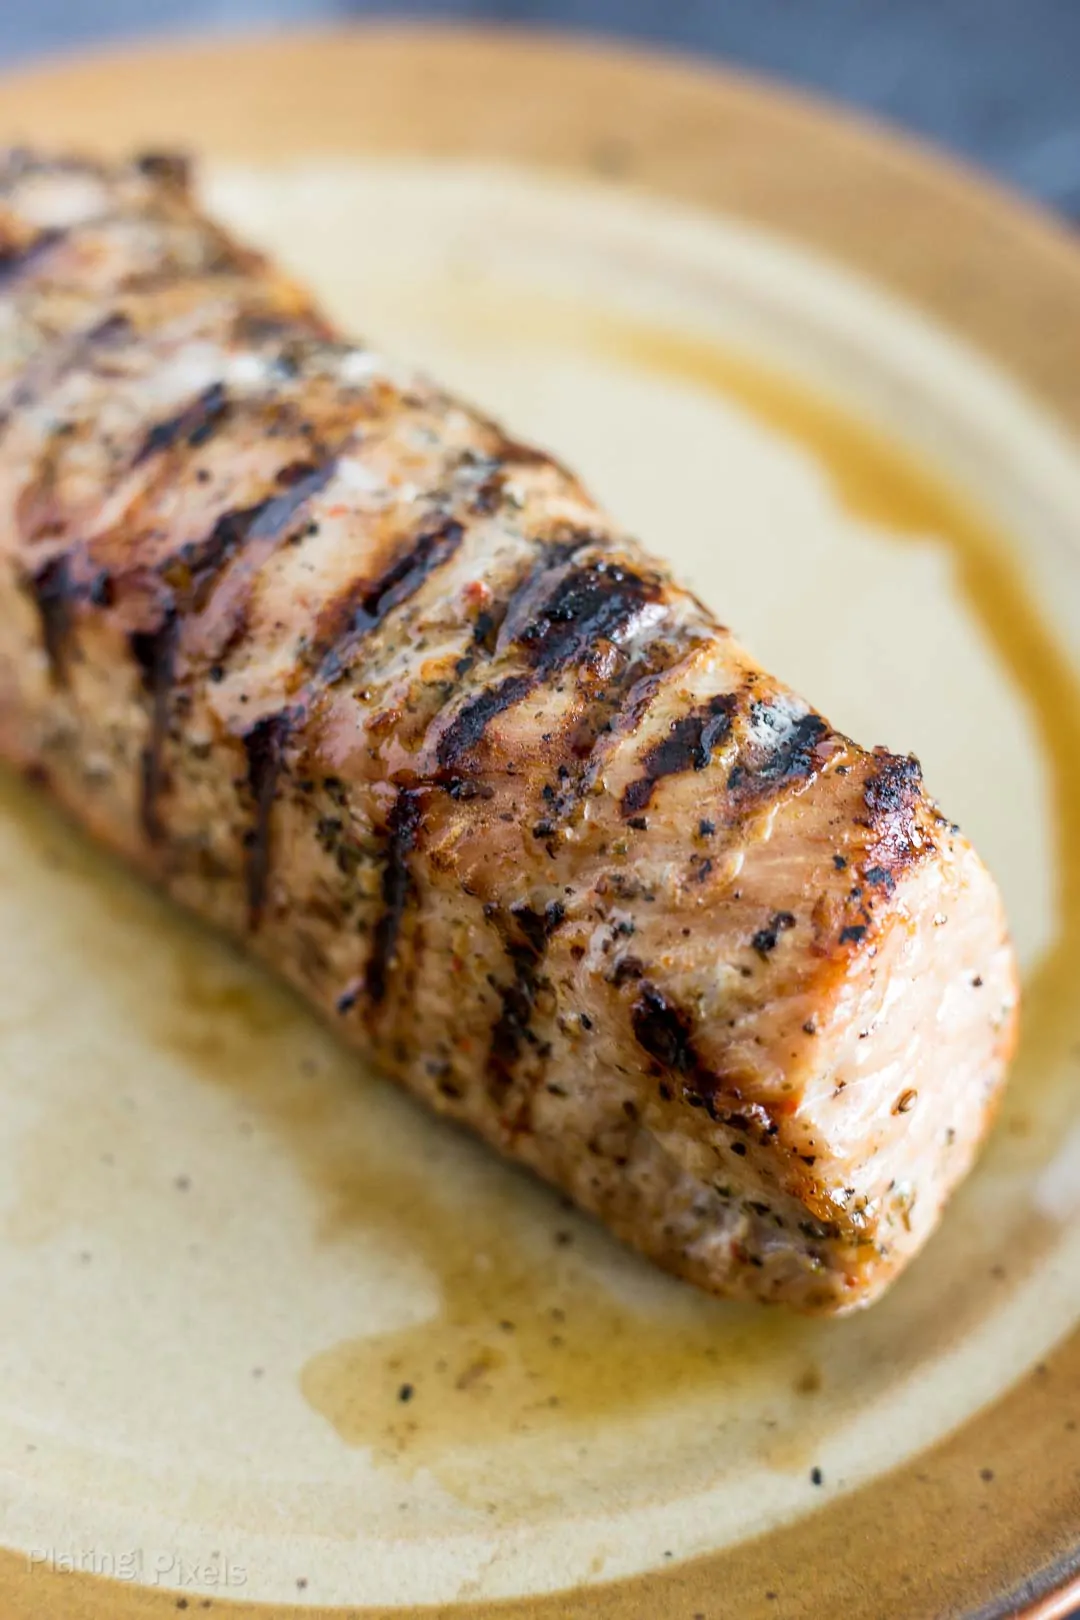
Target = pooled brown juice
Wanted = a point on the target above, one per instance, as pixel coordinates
(528, 1321)
(525, 1337)
(521, 1333)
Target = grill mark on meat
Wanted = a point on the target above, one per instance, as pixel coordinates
(787, 754)
(57, 359)
(622, 700)
(513, 453)
(617, 707)
(894, 786)
(14, 261)
(193, 425)
(364, 605)
(112, 328)
(170, 168)
(892, 792)
(488, 635)
(526, 941)
(688, 746)
(421, 687)
(586, 604)
(264, 746)
(361, 610)
(663, 1030)
(192, 571)
(473, 718)
(293, 333)
(50, 588)
(403, 830)
(189, 576)
(666, 1032)
(155, 653)
(485, 630)
(555, 615)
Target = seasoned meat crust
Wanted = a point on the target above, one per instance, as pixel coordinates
(382, 692)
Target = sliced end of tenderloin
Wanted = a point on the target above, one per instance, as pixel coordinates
(857, 1054)
(911, 1053)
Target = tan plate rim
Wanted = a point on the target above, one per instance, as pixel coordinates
(922, 1539)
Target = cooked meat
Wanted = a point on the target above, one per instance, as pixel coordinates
(382, 692)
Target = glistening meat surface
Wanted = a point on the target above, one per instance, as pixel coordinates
(382, 692)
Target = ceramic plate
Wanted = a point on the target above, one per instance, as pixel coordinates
(273, 1340)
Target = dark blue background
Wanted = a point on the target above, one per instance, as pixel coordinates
(998, 80)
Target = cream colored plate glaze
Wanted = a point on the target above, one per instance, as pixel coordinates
(224, 1250)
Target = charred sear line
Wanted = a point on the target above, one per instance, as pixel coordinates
(894, 785)
(526, 933)
(402, 832)
(556, 615)
(617, 706)
(469, 724)
(264, 746)
(191, 572)
(495, 625)
(364, 606)
(485, 630)
(293, 339)
(666, 1032)
(584, 606)
(787, 753)
(193, 426)
(50, 588)
(115, 328)
(892, 792)
(688, 746)
(514, 452)
(155, 653)
(168, 168)
(15, 261)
